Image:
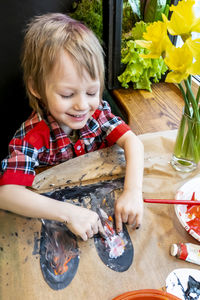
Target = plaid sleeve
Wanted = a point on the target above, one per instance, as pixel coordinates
(112, 126)
(18, 167)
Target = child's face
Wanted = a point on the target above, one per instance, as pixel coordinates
(71, 99)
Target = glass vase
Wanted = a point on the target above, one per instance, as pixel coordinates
(186, 153)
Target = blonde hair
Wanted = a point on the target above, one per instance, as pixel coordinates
(45, 36)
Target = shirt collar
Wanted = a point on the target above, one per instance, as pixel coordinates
(91, 128)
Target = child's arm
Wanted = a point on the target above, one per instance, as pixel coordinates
(20, 200)
(129, 206)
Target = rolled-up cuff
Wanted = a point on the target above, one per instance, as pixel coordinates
(117, 133)
(19, 178)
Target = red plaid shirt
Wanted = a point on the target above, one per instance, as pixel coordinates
(43, 142)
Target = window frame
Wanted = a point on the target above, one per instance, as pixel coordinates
(112, 32)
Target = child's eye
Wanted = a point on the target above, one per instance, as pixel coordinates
(66, 96)
(92, 94)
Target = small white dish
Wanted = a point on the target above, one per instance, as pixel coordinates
(184, 283)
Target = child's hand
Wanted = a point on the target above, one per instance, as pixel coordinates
(129, 209)
(84, 222)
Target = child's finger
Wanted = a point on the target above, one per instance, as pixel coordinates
(84, 236)
(95, 228)
(101, 229)
(90, 233)
(138, 221)
(124, 217)
(131, 219)
(118, 221)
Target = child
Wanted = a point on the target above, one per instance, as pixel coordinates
(64, 78)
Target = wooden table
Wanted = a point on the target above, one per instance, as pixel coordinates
(20, 274)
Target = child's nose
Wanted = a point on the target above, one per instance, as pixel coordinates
(81, 103)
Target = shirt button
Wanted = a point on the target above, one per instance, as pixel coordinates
(78, 147)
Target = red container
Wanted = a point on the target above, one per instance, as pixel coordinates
(146, 295)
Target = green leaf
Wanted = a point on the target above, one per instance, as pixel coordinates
(166, 10)
(144, 82)
(154, 9)
(131, 14)
(138, 30)
(142, 7)
(139, 72)
(135, 5)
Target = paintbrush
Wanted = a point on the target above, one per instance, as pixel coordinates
(173, 201)
(105, 223)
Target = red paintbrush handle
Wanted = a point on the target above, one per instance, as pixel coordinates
(169, 201)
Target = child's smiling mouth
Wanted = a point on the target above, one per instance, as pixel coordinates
(77, 117)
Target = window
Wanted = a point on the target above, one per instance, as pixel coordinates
(195, 34)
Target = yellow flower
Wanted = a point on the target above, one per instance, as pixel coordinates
(156, 38)
(179, 60)
(183, 61)
(183, 20)
(194, 46)
(195, 68)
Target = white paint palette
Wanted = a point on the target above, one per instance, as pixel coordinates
(185, 192)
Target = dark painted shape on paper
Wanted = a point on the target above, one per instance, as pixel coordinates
(59, 254)
(121, 263)
(98, 193)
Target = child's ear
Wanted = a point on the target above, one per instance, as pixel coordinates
(32, 89)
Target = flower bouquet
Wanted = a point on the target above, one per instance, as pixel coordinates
(182, 63)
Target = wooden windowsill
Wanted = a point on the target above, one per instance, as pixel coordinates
(153, 111)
